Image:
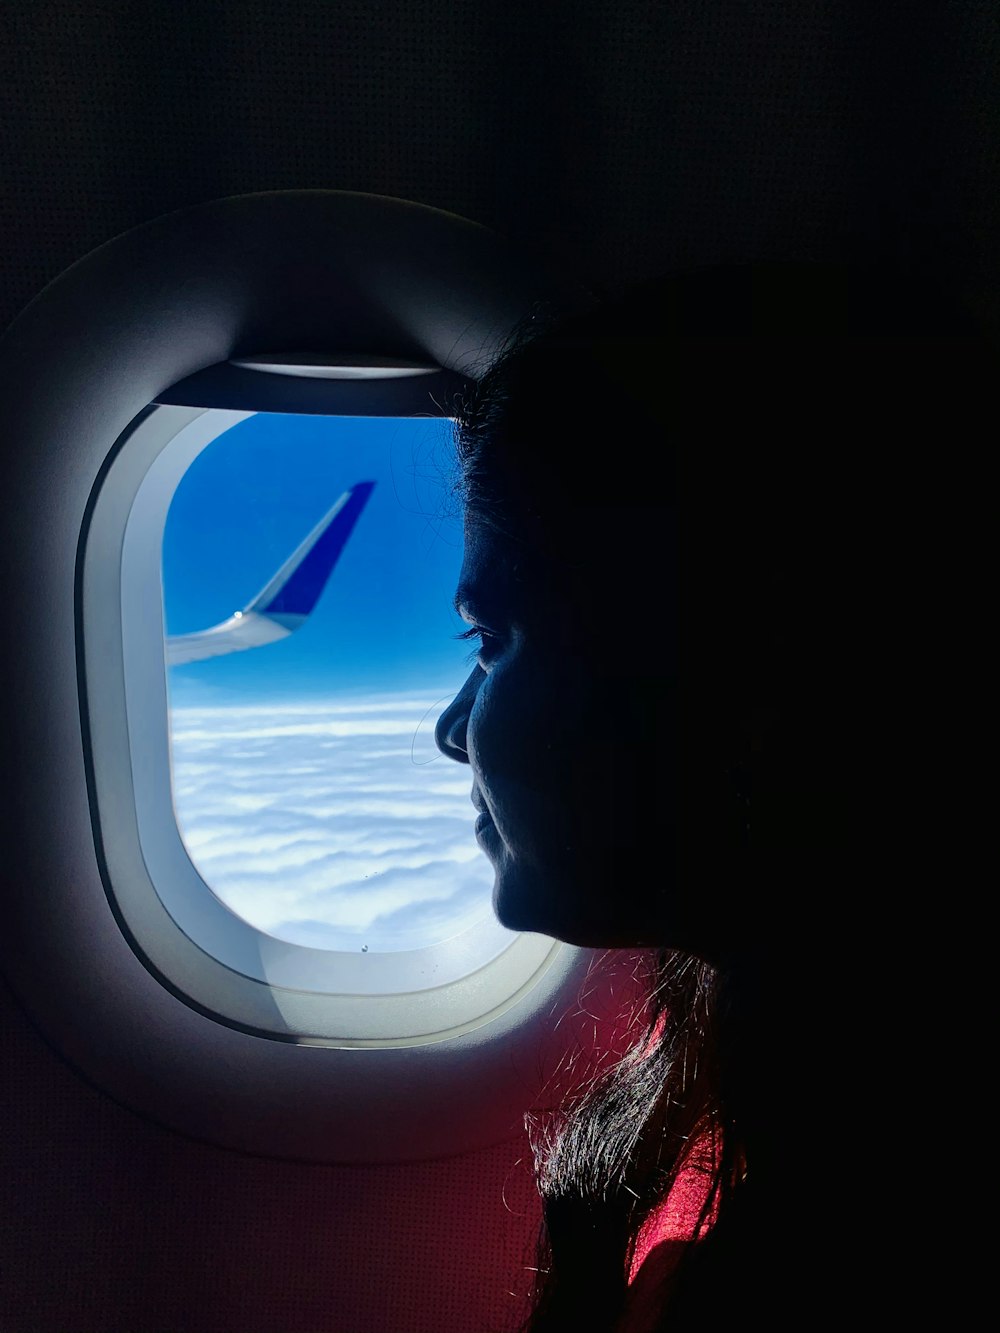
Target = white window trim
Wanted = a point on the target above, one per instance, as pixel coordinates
(185, 931)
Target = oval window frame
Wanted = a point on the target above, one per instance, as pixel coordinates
(158, 316)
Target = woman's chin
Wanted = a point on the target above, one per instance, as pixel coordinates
(519, 906)
(521, 903)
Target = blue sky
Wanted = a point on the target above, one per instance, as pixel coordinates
(306, 783)
(384, 620)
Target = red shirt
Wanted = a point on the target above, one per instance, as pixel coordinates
(659, 1247)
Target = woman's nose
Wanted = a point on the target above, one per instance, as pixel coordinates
(449, 734)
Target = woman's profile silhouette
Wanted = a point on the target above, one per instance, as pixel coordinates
(695, 520)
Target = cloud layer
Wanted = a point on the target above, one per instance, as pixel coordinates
(334, 825)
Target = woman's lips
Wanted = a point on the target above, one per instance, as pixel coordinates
(483, 821)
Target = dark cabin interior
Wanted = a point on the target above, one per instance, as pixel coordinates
(610, 141)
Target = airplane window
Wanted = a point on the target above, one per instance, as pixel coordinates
(267, 645)
(273, 904)
(308, 565)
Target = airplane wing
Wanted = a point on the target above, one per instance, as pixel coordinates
(288, 598)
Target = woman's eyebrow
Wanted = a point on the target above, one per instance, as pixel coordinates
(464, 603)
(472, 604)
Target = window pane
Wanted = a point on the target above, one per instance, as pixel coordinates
(306, 784)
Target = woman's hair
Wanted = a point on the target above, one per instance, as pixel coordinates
(760, 417)
(607, 1159)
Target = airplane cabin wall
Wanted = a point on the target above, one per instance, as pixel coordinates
(114, 1223)
(612, 140)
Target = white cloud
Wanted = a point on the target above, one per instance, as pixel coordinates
(305, 823)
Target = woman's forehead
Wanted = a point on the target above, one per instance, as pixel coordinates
(505, 578)
(491, 578)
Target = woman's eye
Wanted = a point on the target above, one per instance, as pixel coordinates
(489, 646)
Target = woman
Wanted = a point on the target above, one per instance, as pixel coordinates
(684, 513)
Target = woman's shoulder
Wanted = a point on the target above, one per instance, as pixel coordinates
(744, 1272)
(661, 1244)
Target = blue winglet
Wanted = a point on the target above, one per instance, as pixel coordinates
(300, 591)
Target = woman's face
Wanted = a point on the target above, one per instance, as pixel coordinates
(566, 724)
